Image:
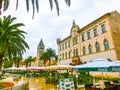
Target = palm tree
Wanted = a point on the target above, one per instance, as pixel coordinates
(7, 63)
(51, 54)
(48, 55)
(17, 60)
(35, 5)
(56, 57)
(28, 61)
(44, 57)
(12, 40)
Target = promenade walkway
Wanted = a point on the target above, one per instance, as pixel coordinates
(38, 83)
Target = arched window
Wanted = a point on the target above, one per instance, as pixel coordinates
(97, 45)
(90, 49)
(69, 55)
(84, 50)
(106, 44)
(76, 52)
(65, 55)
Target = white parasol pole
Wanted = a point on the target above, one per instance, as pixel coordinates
(103, 80)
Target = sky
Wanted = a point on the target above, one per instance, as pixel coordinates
(49, 26)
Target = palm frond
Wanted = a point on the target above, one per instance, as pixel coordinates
(16, 4)
(37, 5)
(27, 5)
(6, 5)
(33, 6)
(57, 6)
(51, 4)
(0, 5)
(68, 2)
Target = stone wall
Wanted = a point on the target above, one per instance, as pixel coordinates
(115, 28)
(111, 54)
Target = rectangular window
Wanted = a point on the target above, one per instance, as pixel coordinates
(68, 43)
(69, 54)
(88, 35)
(73, 41)
(65, 45)
(66, 55)
(63, 56)
(95, 32)
(83, 39)
(76, 40)
(60, 48)
(103, 28)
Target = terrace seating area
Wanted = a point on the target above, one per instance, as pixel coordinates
(82, 80)
(106, 85)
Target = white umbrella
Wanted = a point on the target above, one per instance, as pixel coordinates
(99, 65)
(35, 68)
(115, 68)
(15, 68)
(61, 67)
(11, 68)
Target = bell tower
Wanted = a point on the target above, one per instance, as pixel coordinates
(40, 50)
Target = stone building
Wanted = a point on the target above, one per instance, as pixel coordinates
(98, 39)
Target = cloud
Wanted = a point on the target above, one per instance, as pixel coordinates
(49, 26)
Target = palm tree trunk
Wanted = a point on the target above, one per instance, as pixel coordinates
(1, 59)
(0, 6)
(26, 64)
(17, 63)
(49, 62)
(30, 64)
(44, 63)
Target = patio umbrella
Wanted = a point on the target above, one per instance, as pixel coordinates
(100, 65)
(97, 65)
(62, 67)
(115, 68)
(11, 68)
(35, 68)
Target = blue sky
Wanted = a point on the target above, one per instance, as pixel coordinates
(48, 26)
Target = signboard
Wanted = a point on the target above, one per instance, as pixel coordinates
(114, 68)
(66, 84)
(87, 69)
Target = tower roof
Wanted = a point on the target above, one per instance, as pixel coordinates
(41, 44)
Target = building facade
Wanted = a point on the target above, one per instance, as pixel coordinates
(98, 39)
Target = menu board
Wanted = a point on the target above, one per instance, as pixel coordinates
(66, 84)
